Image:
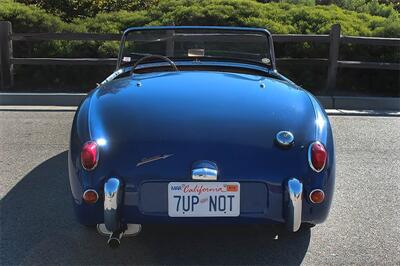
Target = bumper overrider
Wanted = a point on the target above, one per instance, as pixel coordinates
(112, 202)
(294, 192)
(115, 229)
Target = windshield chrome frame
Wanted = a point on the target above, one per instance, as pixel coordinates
(261, 30)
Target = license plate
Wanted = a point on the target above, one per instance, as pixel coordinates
(203, 199)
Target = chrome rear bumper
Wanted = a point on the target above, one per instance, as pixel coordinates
(113, 201)
(294, 190)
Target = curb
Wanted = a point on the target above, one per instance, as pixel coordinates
(369, 103)
(74, 99)
(326, 101)
(42, 99)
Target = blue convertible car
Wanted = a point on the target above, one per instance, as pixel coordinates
(197, 126)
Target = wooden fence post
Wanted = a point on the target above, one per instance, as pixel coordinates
(334, 43)
(7, 79)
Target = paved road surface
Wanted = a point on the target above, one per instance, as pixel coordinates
(38, 226)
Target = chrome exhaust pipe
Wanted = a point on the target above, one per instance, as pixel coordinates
(114, 240)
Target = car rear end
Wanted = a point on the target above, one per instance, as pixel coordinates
(249, 158)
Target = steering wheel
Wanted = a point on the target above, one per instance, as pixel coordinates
(144, 58)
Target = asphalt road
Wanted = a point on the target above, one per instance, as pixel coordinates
(38, 226)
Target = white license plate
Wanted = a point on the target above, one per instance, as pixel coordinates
(203, 199)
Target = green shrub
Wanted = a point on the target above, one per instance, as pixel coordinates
(372, 7)
(277, 17)
(30, 19)
(71, 9)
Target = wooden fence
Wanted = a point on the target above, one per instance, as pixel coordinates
(334, 39)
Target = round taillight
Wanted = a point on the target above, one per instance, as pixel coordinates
(317, 196)
(89, 155)
(317, 156)
(90, 196)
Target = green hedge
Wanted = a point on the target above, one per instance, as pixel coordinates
(67, 10)
(277, 17)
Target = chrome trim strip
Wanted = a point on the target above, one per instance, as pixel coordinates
(152, 159)
(112, 201)
(294, 206)
(317, 189)
(309, 157)
(88, 190)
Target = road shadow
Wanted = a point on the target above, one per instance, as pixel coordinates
(38, 227)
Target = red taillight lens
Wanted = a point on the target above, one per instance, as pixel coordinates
(89, 155)
(317, 156)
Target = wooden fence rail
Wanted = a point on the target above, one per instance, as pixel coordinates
(334, 39)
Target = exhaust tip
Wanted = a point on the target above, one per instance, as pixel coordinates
(113, 242)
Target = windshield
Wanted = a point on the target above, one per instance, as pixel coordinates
(197, 44)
